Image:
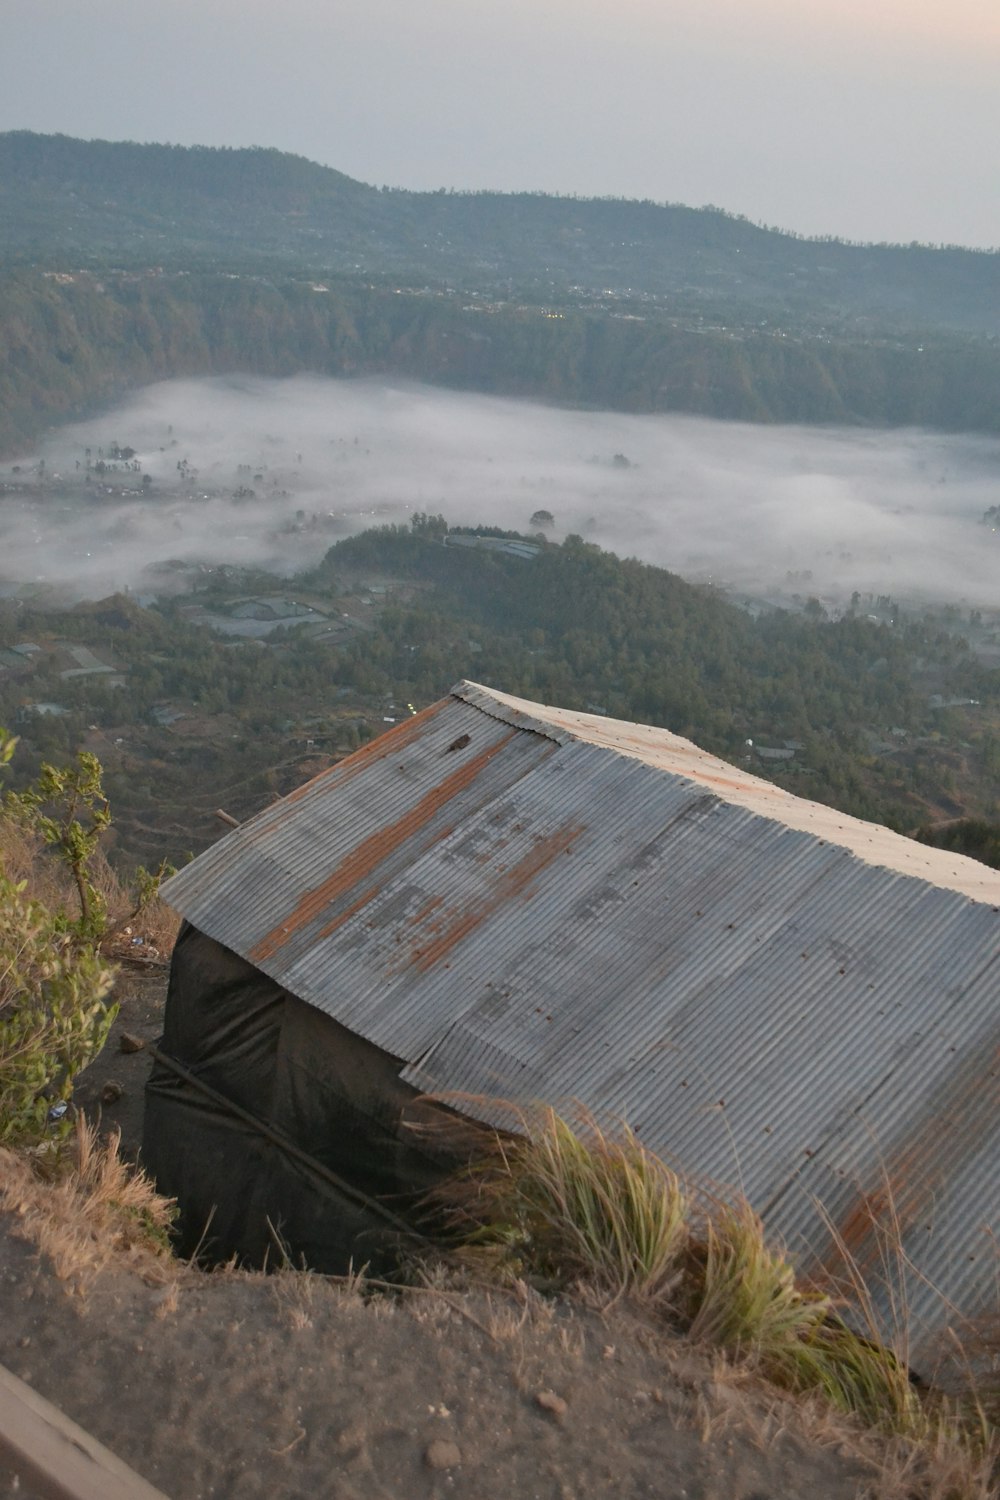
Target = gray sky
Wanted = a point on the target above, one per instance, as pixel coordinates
(871, 119)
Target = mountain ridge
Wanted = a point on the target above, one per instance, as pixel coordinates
(291, 211)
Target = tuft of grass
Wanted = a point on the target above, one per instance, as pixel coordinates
(745, 1299)
(576, 1204)
(82, 1206)
(743, 1295)
(856, 1375)
(116, 1195)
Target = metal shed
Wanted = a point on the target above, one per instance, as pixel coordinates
(510, 901)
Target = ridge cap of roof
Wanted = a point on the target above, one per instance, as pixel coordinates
(510, 710)
(873, 843)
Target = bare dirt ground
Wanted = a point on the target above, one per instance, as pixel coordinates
(275, 1388)
(251, 1387)
(111, 1089)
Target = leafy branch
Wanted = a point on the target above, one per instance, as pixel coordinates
(66, 806)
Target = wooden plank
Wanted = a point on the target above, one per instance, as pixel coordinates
(60, 1459)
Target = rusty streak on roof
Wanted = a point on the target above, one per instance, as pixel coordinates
(368, 855)
(515, 881)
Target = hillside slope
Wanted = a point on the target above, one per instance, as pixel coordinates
(245, 1387)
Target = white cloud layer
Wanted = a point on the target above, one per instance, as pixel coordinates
(895, 512)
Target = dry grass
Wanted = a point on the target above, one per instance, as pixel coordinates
(84, 1207)
(155, 925)
(295, 1293)
(941, 1465)
(946, 1445)
(26, 858)
(128, 917)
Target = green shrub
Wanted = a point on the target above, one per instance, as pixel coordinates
(66, 807)
(53, 1014)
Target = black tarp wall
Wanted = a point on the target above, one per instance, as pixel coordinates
(276, 1128)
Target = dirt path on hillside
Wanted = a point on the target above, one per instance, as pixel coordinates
(255, 1388)
(111, 1090)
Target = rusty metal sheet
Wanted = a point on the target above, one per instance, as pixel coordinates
(275, 886)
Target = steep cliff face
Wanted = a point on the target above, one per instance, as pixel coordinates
(75, 339)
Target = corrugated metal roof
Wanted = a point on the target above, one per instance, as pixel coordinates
(529, 903)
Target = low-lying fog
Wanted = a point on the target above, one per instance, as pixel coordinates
(273, 471)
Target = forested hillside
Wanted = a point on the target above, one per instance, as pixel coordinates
(193, 719)
(72, 340)
(121, 264)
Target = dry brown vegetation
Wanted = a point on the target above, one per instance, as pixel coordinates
(84, 1208)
